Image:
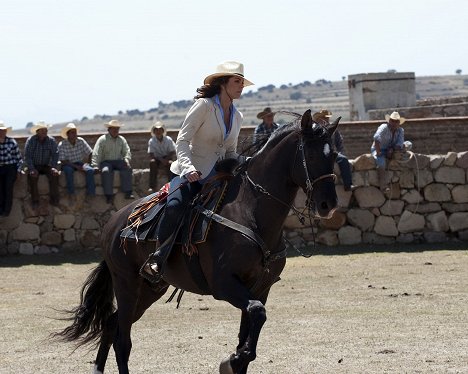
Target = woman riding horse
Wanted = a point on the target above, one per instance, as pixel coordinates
(244, 252)
(209, 133)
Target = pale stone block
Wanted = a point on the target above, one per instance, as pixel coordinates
(349, 235)
(369, 197)
(446, 174)
(26, 231)
(364, 162)
(64, 221)
(328, 237)
(462, 160)
(437, 192)
(450, 158)
(438, 221)
(458, 221)
(26, 249)
(51, 238)
(460, 194)
(436, 161)
(361, 218)
(69, 235)
(392, 207)
(89, 224)
(385, 226)
(411, 222)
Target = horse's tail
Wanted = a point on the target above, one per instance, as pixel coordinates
(96, 306)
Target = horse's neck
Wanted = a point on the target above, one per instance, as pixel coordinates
(272, 172)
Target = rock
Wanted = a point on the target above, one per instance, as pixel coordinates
(385, 226)
(411, 222)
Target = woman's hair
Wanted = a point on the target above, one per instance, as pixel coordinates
(212, 89)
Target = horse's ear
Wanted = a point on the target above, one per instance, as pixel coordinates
(334, 126)
(306, 121)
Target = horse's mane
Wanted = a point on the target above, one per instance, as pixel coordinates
(316, 132)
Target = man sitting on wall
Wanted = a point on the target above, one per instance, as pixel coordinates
(111, 152)
(41, 156)
(161, 151)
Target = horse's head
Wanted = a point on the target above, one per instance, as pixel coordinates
(313, 166)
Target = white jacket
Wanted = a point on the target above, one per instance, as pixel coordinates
(201, 142)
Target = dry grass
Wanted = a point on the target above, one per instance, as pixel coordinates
(400, 312)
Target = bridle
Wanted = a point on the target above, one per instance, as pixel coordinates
(309, 185)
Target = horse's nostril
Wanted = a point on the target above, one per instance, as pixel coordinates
(324, 205)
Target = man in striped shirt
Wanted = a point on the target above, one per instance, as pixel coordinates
(75, 155)
(41, 156)
(111, 152)
(10, 165)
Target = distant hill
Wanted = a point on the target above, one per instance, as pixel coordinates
(295, 98)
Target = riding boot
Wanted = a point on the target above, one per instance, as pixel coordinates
(153, 268)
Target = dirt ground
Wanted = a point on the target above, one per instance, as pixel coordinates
(348, 310)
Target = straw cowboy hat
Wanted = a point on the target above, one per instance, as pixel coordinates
(158, 125)
(265, 112)
(324, 114)
(395, 116)
(4, 127)
(114, 123)
(66, 129)
(228, 68)
(38, 126)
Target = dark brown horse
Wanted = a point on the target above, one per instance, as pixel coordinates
(237, 267)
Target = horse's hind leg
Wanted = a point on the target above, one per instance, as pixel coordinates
(132, 303)
(105, 343)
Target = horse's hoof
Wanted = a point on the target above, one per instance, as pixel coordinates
(225, 366)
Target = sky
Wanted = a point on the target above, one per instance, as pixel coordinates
(62, 60)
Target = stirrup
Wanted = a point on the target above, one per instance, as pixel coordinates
(148, 273)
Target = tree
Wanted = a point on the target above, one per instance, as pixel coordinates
(458, 71)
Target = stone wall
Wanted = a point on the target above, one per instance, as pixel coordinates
(428, 203)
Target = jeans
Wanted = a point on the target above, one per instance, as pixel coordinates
(381, 161)
(345, 169)
(53, 184)
(177, 202)
(7, 180)
(107, 176)
(69, 177)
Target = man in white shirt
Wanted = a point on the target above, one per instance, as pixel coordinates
(161, 151)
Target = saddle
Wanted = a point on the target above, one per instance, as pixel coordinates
(142, 223)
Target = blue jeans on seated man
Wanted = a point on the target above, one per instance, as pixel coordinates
(107, 176)
(345, 170)
(69, 173)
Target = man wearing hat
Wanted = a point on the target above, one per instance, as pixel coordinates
(388, 138)
(41, 156)
(266, 128)
(10, 165)
(111, 152)
(323, 118)
(75, 155)
(161, 151)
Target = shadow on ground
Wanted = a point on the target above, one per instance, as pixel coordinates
(89, 257)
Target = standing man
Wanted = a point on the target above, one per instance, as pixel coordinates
(323, 118)
(162, 152)
(111, 152)
(41, 155)
(75, 155)
(10, 165)
(388, 138)
(266, 128)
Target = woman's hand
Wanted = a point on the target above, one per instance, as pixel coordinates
(193, 176)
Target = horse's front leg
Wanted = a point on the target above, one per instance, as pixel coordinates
(253, 318)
